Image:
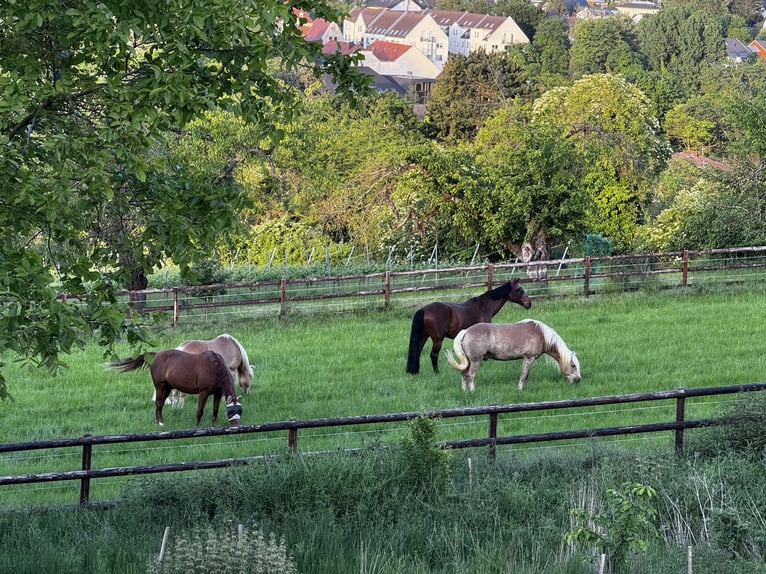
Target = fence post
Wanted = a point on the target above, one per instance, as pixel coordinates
(685, 269)
(490, 273)
(387, 289)
(586, 276)
(492, 433)
(175, 306)
(292, 439)
(87, 450)
(282, 297)
(680, 413)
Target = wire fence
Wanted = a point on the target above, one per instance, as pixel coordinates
(586, 277)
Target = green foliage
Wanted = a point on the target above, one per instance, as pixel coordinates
(469, 89)
(211, 549)
(92, 97)
(426, 466)
(626, 524)
(604, 45)
(683, 39)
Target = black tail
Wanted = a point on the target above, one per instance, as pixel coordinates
(416, 343)
(125, 365)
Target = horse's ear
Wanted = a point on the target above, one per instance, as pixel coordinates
(515, 282)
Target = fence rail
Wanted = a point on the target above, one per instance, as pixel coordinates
(584, 276)
(85, 474)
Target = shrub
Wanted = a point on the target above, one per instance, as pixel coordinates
(206, 550)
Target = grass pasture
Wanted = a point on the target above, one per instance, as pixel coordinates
(340, 514)
(353, 364)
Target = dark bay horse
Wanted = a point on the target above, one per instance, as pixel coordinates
(526, 340)
(203, 373)
(440, 320)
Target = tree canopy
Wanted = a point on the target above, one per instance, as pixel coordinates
(91, 195)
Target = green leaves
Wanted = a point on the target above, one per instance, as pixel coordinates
(90, 97)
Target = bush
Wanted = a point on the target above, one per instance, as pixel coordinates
(209, 550)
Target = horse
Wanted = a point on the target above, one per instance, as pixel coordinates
(233, 353)
(439, 320)
(203, 373)
(526, 340)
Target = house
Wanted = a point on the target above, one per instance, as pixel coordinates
(758, 47)
(469, 32)
(436, 33)
(637, 9)
(736, 50)
(418, 29)
(405, 5)
(319, 30)
(400, 68)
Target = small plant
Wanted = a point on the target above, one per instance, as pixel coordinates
(427, 466)
(625, 525)
(224, 551)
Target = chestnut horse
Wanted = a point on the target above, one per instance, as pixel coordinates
(526, 340)
(440, 320)
(203, 373)
(232, 352)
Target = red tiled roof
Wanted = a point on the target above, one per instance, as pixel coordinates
(387, 51)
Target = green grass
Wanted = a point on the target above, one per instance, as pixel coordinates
(341, 365)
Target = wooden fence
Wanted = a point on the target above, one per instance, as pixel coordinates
(86, 473)
(575, 276)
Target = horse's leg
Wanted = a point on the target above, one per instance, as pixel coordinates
(201, 406)
(435, 349)
(216, 402)
(161, 392)
(526, 363)
(471, 374)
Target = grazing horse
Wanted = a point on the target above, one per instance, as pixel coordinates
(526, 340)
(232, 352)
(440, 320)
(203, 373)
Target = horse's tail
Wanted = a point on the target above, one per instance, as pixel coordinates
(459, 361)
(417, 335)
(125, 365)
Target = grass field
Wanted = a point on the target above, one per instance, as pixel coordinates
(363, 514)
(353, 364)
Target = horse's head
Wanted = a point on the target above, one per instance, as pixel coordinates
(233, 410)
(572, 371)
(517, 295)
(246, 379)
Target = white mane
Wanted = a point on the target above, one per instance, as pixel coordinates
(554, 342)
(242, 352)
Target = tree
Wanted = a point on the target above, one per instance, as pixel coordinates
(611, 123)
(532, 194)
(606, 45)
(469, 89)
(91, 95)
(684, 39)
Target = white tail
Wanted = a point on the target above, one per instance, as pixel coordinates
(458, 361)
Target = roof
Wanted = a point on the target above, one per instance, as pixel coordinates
(388, 51)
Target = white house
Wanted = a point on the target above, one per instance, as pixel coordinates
(468, 32)
(417, 29)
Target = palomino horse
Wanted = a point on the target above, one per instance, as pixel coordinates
(440, 320)
(232, 352)
(203, 373)
(526, 340)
